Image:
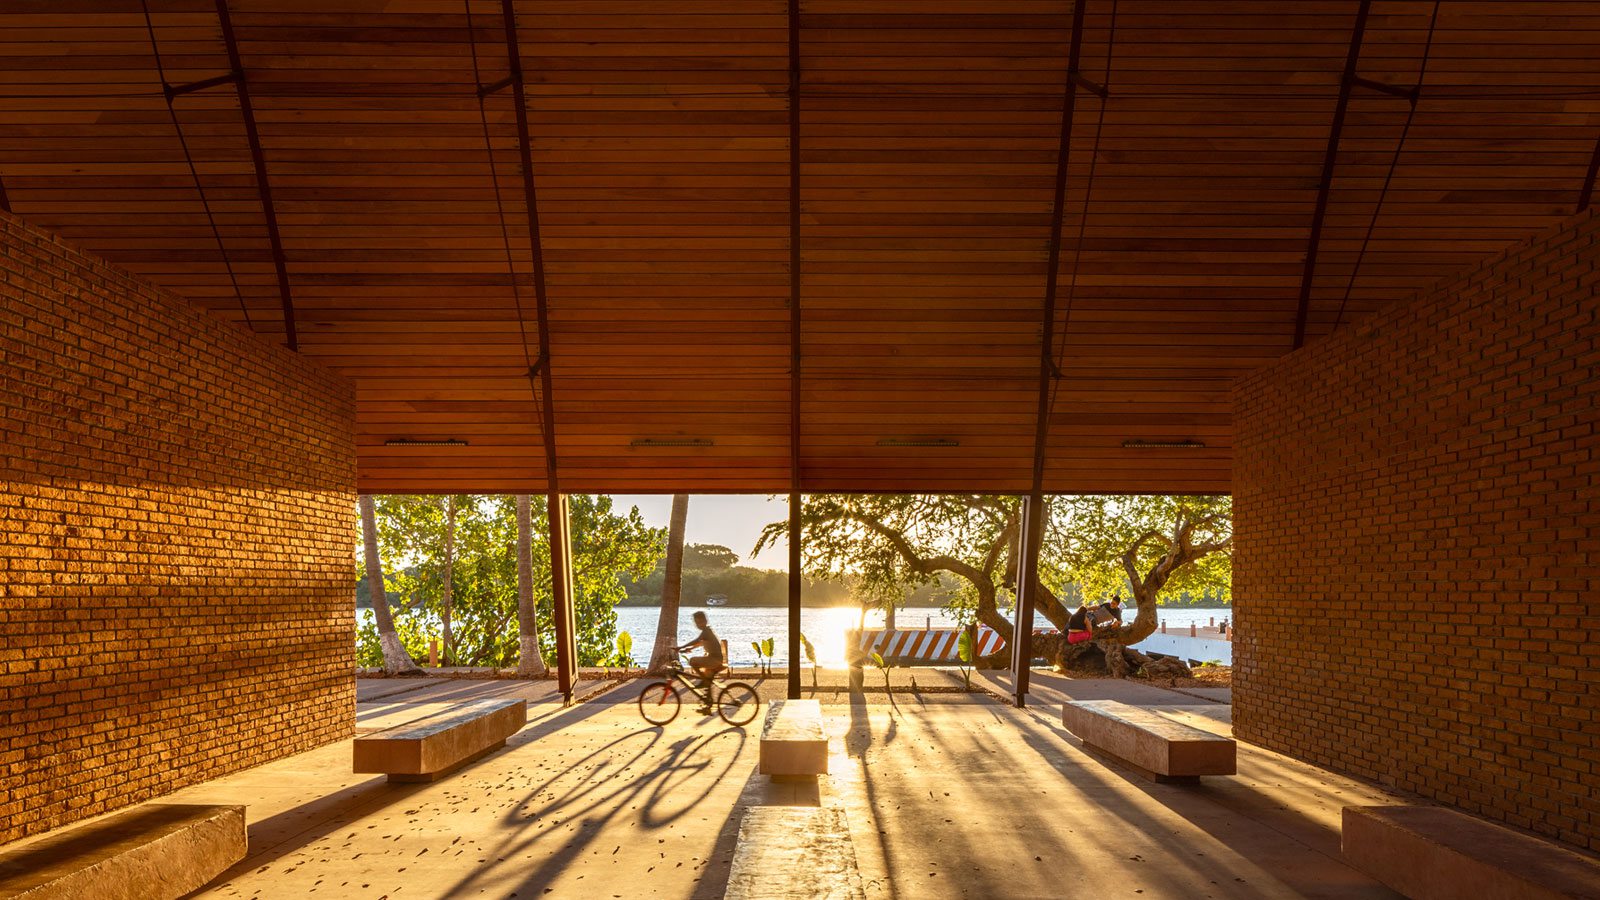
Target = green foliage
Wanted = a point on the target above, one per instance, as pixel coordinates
(882, 666)
(608, 548)
(811, 657)
(967, 652)
(764, 649)
(1089, 534)
(624, 650)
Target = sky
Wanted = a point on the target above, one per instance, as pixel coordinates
(734, 521)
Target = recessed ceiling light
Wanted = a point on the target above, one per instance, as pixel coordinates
(408, 442)
(1163, 445)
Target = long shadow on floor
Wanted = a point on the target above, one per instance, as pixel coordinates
(1300, 851)
(331, 812)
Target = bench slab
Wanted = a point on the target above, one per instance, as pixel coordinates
(790, 852)
(1152, 743)
(157, 850)
(436, 745)
(1435, 853)
(793, 741)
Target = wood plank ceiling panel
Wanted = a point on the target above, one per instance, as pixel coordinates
(88, 149)
(386, 194)
(928, 146)
(661, 152)
(929, 139)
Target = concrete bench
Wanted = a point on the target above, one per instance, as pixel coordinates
(1158, 747)
(788, 852)
(793, 742)
(437, 745)
(157, 851)
(1428, 852)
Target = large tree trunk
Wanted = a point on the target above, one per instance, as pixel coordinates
(530, 660)
(666, 646)
(449, 578)
(396, 661)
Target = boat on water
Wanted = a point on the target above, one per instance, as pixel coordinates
(717, 600)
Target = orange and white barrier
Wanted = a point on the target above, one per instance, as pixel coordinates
(917, 647)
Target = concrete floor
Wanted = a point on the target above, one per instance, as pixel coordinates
(948, 795)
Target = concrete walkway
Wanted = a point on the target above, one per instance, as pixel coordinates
(948, 795)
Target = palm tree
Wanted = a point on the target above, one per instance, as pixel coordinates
(671, 587)
(530, 662)
(396, 661)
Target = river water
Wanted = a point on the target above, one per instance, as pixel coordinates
(824, 627)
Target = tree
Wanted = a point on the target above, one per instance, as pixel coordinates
(672, 587)
(486, 611)
(890, 542)
(396, 661)
(447, 588)
(530, 662)
(1149, 546)
(712, 557)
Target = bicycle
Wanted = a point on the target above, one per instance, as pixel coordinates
(736, 702)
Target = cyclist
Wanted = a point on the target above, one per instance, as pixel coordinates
(710, 663)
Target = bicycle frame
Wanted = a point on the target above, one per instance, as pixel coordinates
(681, 674)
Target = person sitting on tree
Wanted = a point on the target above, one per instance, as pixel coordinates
(1078, 625)
(1109, 610)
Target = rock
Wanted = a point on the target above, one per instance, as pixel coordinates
(1166, 667)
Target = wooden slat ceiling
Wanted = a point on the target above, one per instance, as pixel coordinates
(929, 140)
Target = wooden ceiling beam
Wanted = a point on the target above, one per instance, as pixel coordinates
(258, 161)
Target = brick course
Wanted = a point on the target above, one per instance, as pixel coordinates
(1394, 484)
(177, 511)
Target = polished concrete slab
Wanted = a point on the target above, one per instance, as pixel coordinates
(1148, 741)
(148, 852)
(945, 795)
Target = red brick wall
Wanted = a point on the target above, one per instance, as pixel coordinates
(176, 513)
(1397, 483)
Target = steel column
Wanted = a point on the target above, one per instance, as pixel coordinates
(561, 594)
(795, 577)
(1035, 516)
(1330, 158)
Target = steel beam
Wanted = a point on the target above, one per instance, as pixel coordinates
(566, 626)
(178, 90)
(1330, 158)
(795, 577)
(1028, 569)
(1584, 196)
(259, 161)
(530, 194)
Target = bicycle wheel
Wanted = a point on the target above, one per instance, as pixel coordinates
(659, 703)
(738, 703)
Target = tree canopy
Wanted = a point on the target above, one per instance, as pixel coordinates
(609, 547)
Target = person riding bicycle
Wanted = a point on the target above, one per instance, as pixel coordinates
(711, 662)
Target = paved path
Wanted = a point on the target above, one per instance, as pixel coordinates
(948, 795)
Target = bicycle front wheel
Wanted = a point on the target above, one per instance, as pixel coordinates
(659, 702)
(738, 703)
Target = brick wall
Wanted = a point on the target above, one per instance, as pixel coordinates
(176, 513)
(1417, 511)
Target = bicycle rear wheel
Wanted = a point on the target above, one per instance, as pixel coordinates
(738, 703)
(659, 702)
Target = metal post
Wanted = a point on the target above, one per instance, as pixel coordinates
(794, 596)
(1035, 514)
(561, 594)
